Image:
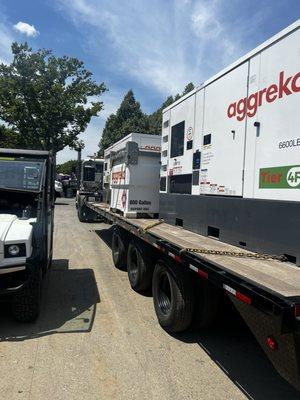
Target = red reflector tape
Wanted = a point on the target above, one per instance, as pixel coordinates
(176, 258)
(203, 274)
(242, 297)
(297, 311)
(158, 247)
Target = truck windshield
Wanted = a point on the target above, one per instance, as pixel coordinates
(89, 173)
(21, 174)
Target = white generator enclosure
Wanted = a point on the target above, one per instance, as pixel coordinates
(237, 138)
(134, 174)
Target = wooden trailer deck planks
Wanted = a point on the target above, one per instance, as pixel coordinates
(283, 278)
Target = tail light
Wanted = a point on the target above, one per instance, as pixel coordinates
(271, 343)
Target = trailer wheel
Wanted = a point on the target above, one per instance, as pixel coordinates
(173, 296)
(139, 266)
(206, 305)
(26, 303)
(118, 248)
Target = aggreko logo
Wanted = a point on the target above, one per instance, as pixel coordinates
(249, 105)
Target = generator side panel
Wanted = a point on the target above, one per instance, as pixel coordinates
(223, 144)
(197, 142)
(165, 139)
(150, 143)
(135, 187)
(120, 179)
(272, 164)
(180, 146)
(143, 189)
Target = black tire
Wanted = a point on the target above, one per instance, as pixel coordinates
(140, 266)
(81, 214)
(26, 303)
(173, 296)
(119, 248)
(207, 305)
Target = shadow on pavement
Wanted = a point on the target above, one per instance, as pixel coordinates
(105, 235)
(69, 304)
(231, 345)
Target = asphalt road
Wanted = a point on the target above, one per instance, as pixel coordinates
(98, 339)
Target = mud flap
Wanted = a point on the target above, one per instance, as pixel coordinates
(286, 352)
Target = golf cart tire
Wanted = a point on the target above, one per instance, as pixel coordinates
(26, 303)
(81, 214)
(173, 296)
(120, 240)
(140, 266)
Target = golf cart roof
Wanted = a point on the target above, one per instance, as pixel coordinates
(27, 153)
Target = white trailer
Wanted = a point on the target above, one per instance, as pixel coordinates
(134, 174)
(231, 151)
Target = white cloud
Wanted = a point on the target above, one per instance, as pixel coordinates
(6, 39)
(91, 139)
(162, 45)
(26, 29)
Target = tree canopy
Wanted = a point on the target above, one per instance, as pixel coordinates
(130, 118)
(67, 168)
(44, 100)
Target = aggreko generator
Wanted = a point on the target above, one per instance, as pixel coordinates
(231, 152)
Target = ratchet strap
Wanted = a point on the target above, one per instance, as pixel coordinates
(152, 225)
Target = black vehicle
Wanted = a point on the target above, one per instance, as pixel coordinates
(26, 227)
(91, 185)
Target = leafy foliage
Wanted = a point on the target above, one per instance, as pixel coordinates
(130, 118)
(9, 138)
(67, 168)
(44, 99)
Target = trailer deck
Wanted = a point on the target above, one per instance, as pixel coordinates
(266, 292)
(279, 278)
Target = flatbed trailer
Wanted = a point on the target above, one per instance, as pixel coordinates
(199, 271)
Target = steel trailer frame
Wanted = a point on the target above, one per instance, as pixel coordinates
(280, 310)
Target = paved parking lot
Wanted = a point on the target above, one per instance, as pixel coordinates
(97, 339)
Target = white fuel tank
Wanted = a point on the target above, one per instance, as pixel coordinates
(134, 175)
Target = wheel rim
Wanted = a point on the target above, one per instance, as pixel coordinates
(133, 265)
(164, 293)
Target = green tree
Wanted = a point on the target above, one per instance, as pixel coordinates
(189, 87)
(128, 118)
(155, 119)
(67, 167)
(9, 138)
(45, 99)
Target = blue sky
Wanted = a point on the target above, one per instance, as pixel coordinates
(154, 47)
